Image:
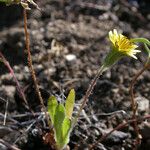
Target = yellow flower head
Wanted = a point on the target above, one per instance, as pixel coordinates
(122, 44)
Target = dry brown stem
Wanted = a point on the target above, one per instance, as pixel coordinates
(27, 42)
(134, 105)
(88, 92)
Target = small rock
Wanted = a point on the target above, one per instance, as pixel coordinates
(116, 137)
(143, 104)
(26, 69)
(70, 57)
(9, 90)
(39, 68)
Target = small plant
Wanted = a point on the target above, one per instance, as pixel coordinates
(61, 114)
(61, 119)
(121, 46)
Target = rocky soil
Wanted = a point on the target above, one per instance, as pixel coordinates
(69, 41)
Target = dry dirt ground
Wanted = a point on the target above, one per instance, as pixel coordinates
(69, 41)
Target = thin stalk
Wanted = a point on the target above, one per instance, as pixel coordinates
(9, 146)
(6, 112)
(88, 92)
(133, 103)
(141, 40)
(6, 63)
(30, 64)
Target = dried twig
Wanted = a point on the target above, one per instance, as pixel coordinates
(31, 123)
(9, 118)
(5, 113)
(6, 63)
(9, 146)
(27, 115)
(108, 114)
(2, 99)
(27, 42)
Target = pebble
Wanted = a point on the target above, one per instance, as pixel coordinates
(9, 91)
(143, 104)
(117, 137)
(26, 69)
(70, 57)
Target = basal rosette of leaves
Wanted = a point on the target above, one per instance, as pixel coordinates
(61, 119)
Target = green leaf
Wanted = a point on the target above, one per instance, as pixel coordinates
(66, 126)
(70, 103)
(52, 104)
(65, 134)
(58, 121)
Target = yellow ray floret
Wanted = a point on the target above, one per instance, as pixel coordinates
(122, 44)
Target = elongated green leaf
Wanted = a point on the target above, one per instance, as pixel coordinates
(65, 132)
(58, 121)
(70, 103)
(66, 126)
(52, 104)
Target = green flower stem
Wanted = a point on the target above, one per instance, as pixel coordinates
(112, 57)
(141, 40)
(146, 43)
(88, 92)
(148, 50)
